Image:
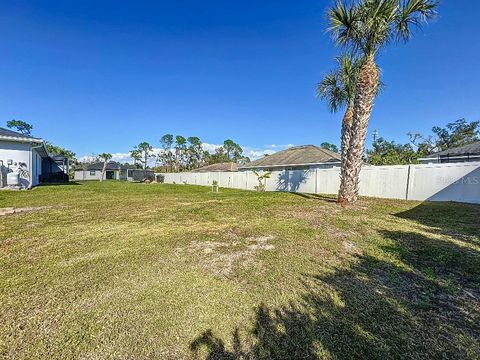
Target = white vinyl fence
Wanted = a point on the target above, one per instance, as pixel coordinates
(434, 182)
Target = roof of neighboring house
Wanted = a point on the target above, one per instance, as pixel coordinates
(11, 135)
(470, 149)
(225, 166)
(295, 156)
(58, 157)
(111, 165)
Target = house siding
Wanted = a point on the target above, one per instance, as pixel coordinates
(19, 153)
(81, 175)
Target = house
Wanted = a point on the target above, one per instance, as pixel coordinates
(466, 153)
(220, 167)
(28, 157)
(302, 157)
(114, 171)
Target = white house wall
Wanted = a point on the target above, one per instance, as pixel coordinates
(36, 167)
(79, 175)
(435, 182)
(19, 153)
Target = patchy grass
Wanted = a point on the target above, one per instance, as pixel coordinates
(119, 270)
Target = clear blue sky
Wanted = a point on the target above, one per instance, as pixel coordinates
(97, 76)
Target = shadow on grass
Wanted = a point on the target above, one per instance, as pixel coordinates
(315, 197)
(421, 300)
(461, 221)
(60, 183)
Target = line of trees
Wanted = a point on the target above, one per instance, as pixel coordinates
(179, 153)
(361, 28)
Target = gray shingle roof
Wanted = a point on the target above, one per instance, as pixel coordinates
(470, 149)
(16, 135)
(297, 155)
(112, 165)
(225, 166)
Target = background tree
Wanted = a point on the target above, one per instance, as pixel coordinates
(389, 153)
(365, 27)
(230, 151)
(219, 156)
(233, 151)
(194, 152)
(105, 157)
(58, 150)
(166, 158)
(146, 151)
(454, 134)
(21, 126)
(166, 141)
(136, 155)
(329, 146)
(180, 148)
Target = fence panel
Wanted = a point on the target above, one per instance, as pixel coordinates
(445, 182)
(436, 182)
(384, 181)
(239, 180)
(328, 181)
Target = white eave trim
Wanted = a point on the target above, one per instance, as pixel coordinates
(21, 139)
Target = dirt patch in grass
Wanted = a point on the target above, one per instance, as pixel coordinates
(221, 258)
(13, 211)
(189, 203)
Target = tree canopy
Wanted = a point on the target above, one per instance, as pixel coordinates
(454, 134)
(58, 150)
(21, 126)
(329, 146)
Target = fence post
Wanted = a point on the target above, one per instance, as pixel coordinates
(408, 182)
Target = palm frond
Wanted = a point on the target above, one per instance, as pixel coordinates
(412, 14)
(343, 19)
(332, 90)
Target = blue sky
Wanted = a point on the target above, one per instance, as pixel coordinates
(102, 76)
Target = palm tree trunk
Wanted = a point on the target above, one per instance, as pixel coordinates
(104, 170)
(366, 90)
(346, 135)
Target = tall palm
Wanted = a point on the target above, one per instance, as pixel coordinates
(365, 27)
(338, 89)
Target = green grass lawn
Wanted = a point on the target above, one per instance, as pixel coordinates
(133, 271)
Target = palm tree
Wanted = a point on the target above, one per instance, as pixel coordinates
(105, 157)
(338, 89)
(145, 151)
(365, 27)
(136, 155)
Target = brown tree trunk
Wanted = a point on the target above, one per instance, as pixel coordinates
(345, 138)
(365, 92)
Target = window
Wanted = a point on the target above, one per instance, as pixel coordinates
(130, 173)
(92, 172)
